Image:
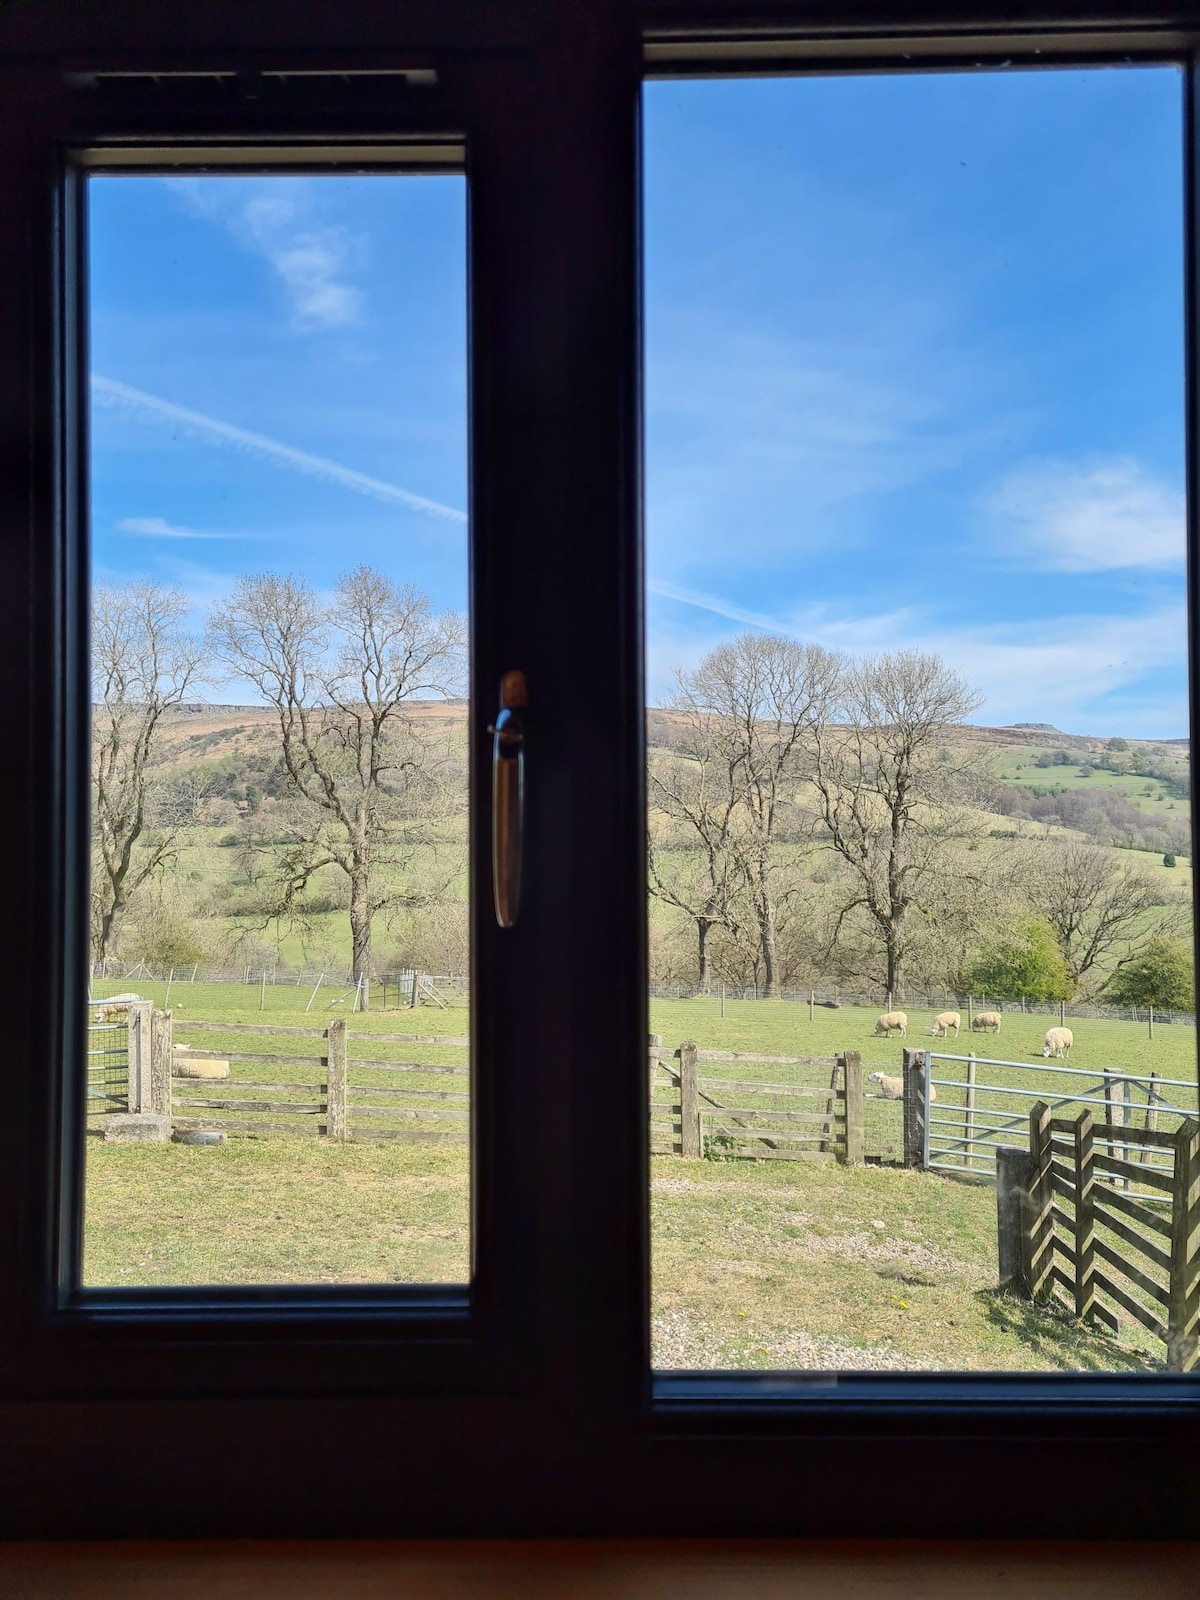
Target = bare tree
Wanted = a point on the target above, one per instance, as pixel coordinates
(754, 704)
(1099, 910)
(692, 865)
(180, 800)
(144, 661)
(343, 678)
(890, 791)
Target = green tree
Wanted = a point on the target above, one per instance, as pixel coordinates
(1025, 965)
(1168, 860)
(1161, 975)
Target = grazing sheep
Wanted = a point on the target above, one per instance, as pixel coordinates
(985, 1020)
(889, 1088)
(893, 1088)
(893, 1022)
(943, 1023)
(1058, 1042)
(115, 1007)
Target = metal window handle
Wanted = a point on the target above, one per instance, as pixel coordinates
(508, 797)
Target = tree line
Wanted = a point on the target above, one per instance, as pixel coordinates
(812, 814)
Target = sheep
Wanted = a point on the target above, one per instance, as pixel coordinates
(889, 1088)
(893, 1088)
(987, 1019)
(893, 1022)
(943, 1023)
(115, 1007)
(1058, 1042)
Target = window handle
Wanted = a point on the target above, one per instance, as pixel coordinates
(508, 797)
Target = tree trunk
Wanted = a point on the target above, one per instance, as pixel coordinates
(702, 931)
(360, 937)
(893, 963)
(766, 925)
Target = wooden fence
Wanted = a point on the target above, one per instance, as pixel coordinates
(694, 1114)
(1100, 1232)
(331, 1091)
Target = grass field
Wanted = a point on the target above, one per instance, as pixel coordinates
(758, 1264)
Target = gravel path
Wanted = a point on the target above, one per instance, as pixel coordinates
(681, 1340)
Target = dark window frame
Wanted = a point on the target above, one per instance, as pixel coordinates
(528, 1408)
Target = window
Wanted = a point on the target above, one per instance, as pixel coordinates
(524, 1401)
(278, 772)
(915, 449)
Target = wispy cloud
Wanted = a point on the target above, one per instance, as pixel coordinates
(159, 528)
(1085, 673)
(1089, 516)
(310, 259)
(148, 407)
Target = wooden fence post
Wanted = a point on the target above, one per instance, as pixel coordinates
(1183, 1303)
(335, 1068)
(1085, 1221)
(852, 1083)
(161, 1062)
(914, 1107)
(689, 1101)
(1012, 1178)
(137, 1044)
(1037, 1221)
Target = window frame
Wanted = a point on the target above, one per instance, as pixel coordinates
(530, 1410)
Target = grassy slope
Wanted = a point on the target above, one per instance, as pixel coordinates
(755, 1264)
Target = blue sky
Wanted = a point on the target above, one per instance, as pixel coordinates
(279, 379)
(914, 366)
(914, 376)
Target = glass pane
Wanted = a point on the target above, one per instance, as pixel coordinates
(923, 1071)
(278, 1081)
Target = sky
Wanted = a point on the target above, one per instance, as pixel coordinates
(914, 377)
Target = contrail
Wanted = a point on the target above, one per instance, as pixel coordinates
(715, 604)
(108, 392)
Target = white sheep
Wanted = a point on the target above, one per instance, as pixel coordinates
(983, 1020)
(943, 1023)
(893, 1022)
(1058, 1042)
(116, 1006)
(893, 1088)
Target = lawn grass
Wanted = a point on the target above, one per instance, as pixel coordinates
(281, 1210)
(761, 1262)
(755, 1264)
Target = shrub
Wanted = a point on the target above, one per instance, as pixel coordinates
(1159, 975)
(1168, 860)
(164, 937)
(1024, 965)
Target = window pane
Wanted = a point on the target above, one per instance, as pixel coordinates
(919, 783)
(278, 1081)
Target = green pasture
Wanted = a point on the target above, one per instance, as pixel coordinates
(759, 1264)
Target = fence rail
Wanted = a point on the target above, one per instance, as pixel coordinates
(973, 1111)
(435, 988)
(696, 1115)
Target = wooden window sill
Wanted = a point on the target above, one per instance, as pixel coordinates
(591, 1569)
